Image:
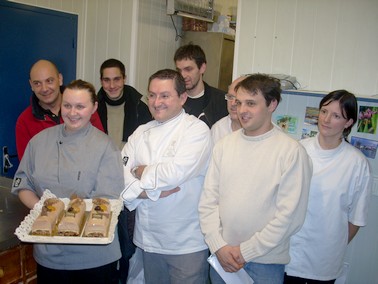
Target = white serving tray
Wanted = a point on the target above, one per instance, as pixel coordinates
(23, 230)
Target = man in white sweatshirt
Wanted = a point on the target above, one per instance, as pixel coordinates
(256, 188)
(165, 163)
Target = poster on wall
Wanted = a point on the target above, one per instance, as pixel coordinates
(287, 123)
(307, 133)
(367, 119)
(367, 146)
(311, 116)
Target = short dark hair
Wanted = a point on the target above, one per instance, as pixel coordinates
(113, 63)
(348, 106)
(83, 85)
(169, 74)
(192, 52)
(270, 87)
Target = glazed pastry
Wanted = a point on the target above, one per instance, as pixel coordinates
(99, 219)
(46, 222)
(72, 220)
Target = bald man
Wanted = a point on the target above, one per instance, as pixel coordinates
(43, 112)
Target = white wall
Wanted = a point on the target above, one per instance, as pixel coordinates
(138, 32)
(156, 40)
(326, 44)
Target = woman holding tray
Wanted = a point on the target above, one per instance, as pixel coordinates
(72, 158)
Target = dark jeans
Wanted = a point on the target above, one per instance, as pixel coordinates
(98, 275)
(126, 222)
(297, 280)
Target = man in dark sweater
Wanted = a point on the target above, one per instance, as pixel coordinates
(120, 106)
(205, 102)
(121, 111)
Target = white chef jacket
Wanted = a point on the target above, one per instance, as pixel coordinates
(339, 193)
(176, 153)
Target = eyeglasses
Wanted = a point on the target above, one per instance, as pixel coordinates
(153, 97)
(229, 97)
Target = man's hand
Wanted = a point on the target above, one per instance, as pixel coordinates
(169, 192)
(138, 171)
(163, 194)
(230, 258)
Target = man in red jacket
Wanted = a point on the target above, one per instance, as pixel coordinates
(44, 111)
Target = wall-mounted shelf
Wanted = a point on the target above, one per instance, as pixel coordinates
(200, 10)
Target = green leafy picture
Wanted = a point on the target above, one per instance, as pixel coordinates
(367, 119)
(287, 123)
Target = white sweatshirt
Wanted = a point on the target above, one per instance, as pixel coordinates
(255, 195)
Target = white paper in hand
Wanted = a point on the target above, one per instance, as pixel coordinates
(239, 277)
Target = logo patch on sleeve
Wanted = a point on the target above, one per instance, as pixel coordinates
(17, 182)
(125, 159)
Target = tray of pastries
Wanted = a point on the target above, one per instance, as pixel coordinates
(70, 220)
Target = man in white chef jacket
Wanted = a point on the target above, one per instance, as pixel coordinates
(165, 162)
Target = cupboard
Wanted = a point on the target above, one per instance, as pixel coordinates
(17, 265)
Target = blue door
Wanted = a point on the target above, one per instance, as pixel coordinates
(28, 34)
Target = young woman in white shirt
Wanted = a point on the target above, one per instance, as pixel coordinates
(339, 195)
